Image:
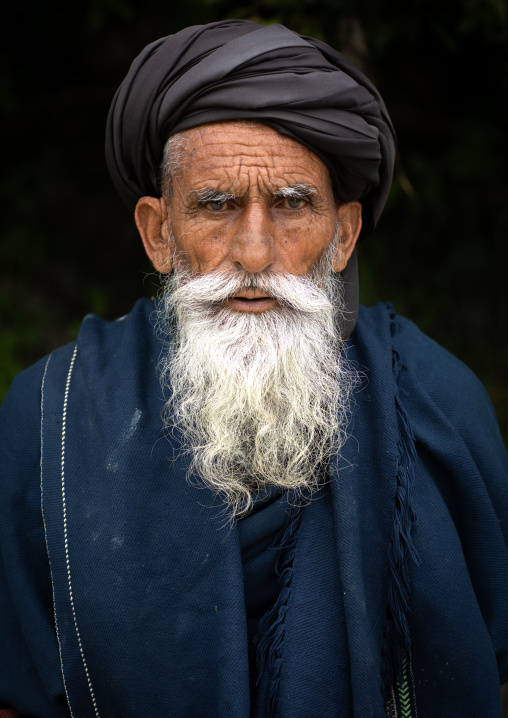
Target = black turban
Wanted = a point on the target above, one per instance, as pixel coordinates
(241, 70)
(235, 70)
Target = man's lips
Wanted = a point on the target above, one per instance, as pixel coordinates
(251, 300)
(252, 294)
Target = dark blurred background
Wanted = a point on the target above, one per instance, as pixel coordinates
(69, 246)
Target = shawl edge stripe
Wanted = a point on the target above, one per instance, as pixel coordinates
(46, 536)
(65, 533)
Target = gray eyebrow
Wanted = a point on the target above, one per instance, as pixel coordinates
(207, 194)
(295, 191)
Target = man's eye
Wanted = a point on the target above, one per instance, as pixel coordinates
(294, 202)
(216, 205)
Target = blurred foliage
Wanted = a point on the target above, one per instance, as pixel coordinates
(440, 252)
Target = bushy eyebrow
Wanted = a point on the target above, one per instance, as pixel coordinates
(207, 194)
(295, 191)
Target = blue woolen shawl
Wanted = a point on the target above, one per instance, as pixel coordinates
(394, 581)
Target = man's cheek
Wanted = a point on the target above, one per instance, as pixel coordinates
(203, 250)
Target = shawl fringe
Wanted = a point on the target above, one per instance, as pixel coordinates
(401, 551)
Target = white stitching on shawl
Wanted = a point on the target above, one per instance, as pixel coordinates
(46, 535)
(66, 542)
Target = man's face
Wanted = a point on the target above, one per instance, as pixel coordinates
(257, 383)
(248, 198)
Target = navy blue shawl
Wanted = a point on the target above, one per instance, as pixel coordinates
(402, 561)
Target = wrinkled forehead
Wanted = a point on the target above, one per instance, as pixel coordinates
(241, 156)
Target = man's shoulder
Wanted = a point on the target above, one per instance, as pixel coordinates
(99, 337)
(121, 334)
(418, 352)
(106, 352)
(436, 387)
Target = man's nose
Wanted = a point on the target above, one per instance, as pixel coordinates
(254, 242)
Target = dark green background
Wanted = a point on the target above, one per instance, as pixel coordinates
(440, 251)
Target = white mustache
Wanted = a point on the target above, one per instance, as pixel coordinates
(298, 293)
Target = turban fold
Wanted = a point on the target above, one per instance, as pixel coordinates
(234, 70)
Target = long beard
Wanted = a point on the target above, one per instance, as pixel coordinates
(261, 399)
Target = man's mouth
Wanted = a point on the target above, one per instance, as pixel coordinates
(251, 300)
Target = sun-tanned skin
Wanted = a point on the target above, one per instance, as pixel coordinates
(247, 198)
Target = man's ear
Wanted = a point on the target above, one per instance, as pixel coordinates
(151, 217)
(349, 216)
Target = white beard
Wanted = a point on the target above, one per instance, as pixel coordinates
(261, 399)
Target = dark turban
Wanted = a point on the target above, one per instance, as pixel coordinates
(234, 70)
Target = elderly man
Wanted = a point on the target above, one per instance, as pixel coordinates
(252, 499)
